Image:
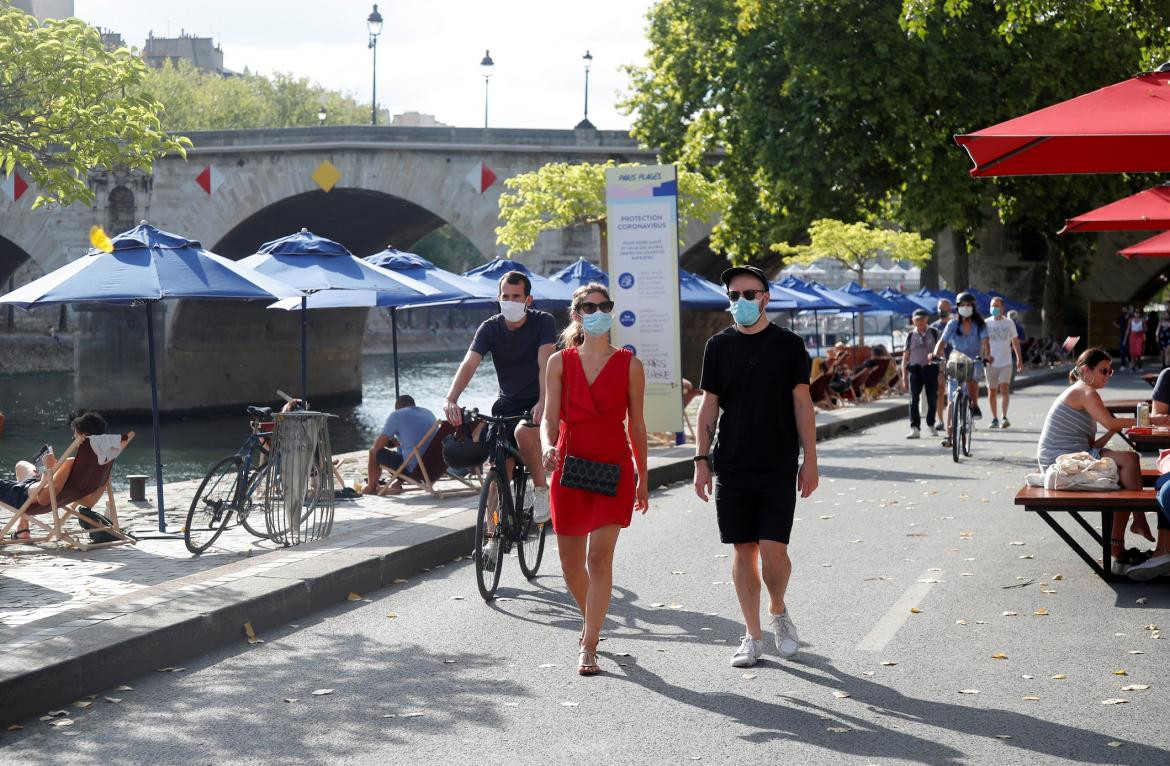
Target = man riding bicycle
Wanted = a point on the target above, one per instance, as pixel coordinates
(520, 340)
(968, 335)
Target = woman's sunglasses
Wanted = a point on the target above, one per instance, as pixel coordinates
(1107, 372)
(588, 307)
(751, 295)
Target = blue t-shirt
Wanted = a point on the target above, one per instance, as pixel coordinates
(408, 426)
(971, 345)
(515, 352)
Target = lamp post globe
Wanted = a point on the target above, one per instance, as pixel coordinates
(485, 66)
(374, 26)
(322, 115)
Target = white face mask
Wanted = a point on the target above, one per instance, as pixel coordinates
(513, 311)
(966, 311)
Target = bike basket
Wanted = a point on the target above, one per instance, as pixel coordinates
(461, 451)
(960, 367)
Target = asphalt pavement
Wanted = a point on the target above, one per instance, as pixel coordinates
(942, 626)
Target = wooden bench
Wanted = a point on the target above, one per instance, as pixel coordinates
(1044, 502)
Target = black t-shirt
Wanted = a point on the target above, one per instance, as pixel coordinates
(514, 352)
(1162, 387)
(754, 376)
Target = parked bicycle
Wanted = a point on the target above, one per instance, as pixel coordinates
(236, 485)
(505, 508)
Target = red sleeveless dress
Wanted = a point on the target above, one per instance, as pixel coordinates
(593, 426)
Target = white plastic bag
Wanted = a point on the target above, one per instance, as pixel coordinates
(1080, 470)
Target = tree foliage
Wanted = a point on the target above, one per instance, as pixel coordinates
(857, 246)
(560, 194)
(847, 109)
(200, 100)
(68, 105)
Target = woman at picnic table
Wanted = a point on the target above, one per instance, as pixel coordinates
(1071, 426)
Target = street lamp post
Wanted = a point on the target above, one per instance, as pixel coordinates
(485, 66)
(322, 115)
(374, 25)
(585, 123)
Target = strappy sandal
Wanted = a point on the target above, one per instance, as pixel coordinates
(946, 443)
(20, 534)
(587, 663)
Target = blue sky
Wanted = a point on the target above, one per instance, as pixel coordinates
(428, 54)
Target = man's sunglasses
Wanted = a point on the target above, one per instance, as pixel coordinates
(751, 295)
(588, 307)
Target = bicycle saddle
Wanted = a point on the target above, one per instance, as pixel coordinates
(264, 413)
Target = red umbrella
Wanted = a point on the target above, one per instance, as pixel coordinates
(1147, 210)
(1156, 246)
(1122, 128)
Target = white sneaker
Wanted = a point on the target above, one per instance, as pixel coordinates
(914, 434)
(1149, 569)
(785, 632)
(749, 652)
(934, 430)
(540, 510)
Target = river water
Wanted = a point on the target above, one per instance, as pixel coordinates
(37, 409)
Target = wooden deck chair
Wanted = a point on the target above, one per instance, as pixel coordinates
(430, 467)
(85, 478)
(874, 385)
(820, 393)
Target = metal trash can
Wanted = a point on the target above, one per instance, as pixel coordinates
(298, 496)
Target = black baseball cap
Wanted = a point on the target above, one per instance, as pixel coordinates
(735, 271)
(919, 313)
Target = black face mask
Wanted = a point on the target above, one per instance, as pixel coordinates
(944, 314)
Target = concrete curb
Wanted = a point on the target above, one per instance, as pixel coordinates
(97, 650)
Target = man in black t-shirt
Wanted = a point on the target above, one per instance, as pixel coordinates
(757, 374)
(520, 340)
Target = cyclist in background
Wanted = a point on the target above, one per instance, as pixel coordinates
(520, 340)
(968, 335)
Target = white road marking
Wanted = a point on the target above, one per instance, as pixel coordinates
(893, 619)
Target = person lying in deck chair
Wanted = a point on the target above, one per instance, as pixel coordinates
(15, 493)
(405, 428)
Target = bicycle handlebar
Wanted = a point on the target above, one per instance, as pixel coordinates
(475, 414)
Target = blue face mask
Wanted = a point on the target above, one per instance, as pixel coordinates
(597, 323)
(996, 311)
(745, 312)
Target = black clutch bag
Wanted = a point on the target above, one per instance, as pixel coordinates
(591, 475)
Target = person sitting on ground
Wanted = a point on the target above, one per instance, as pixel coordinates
(16, 493)
(405, 429)
(1071, 426)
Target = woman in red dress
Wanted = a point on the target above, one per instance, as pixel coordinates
(594, 394)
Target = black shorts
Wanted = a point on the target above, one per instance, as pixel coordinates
(15, 493)
(506, 407)
(389, 458)
(755, 506)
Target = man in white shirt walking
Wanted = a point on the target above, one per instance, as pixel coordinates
(1004, 340)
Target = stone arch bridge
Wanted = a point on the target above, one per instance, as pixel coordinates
(365, 186)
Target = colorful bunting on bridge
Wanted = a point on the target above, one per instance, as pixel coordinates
(209, 179)
(481, 177)
(13, 186)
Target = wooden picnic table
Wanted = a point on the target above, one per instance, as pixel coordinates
(1150, 444)
(1151, 378)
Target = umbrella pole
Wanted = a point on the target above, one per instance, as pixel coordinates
(394, 341)
(158, 480)
(817, 330)
(304, 348)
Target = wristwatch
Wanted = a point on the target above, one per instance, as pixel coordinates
(697, 458)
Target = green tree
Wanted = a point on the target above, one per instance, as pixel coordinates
(857, 246)
(560, 194)
(68, 105)
(198, 100)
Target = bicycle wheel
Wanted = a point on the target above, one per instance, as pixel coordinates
(212, 505)
(489, 527)
(531, 534)
(956, 405)
(968, 425)
(248, 512)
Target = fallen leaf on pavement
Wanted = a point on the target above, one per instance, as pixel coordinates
(450, 662)
(842, 695)
(115, 700)
(968, 691)
(392, 615)
(15, 727)
(1027, 556)
(1031, 699)
(353, 596)
(1017, 542)
(720, 555)
(412, 714)
(1114, 701)
(1041, 612)
(124, 688)
(292, 699)
(566, 703)
(1003, 736)
(930, 580)
(960, 622)
(675, 606)
(322, 692)
(83, 704)
(887, 663)
(1059, 677)
(1136, 651)
(837, 729)
(999, 656)
(1135, 687)
(1121, 672)
(1114, 743)
(1142, 600)
(1056, 577)
(915, 610)
(966, 574)
(399, 580)
(748, 676)
(867, 672)
(1027, 678)
(658, 604)
(1011, 614)
(547, 665)
(457, 598)
(1049, 591)
(62, 722)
